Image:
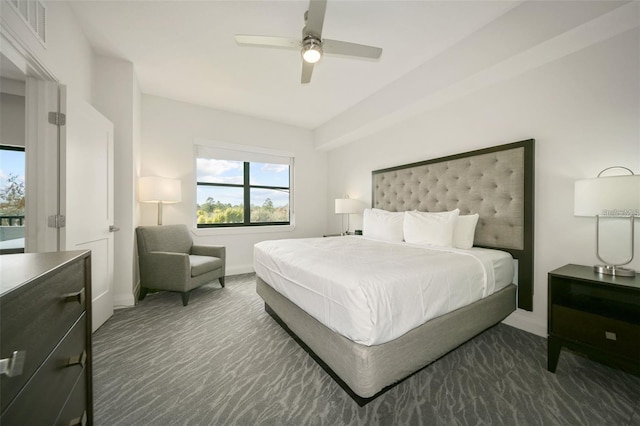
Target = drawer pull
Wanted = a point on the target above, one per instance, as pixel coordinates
(609, 335)
(75, 297)
(13, 366)
(79, 421)
(78, 360)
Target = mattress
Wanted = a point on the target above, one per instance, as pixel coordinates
(372, 292)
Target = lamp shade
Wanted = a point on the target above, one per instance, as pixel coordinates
(608, 196)
(154, 189)
(347, 205)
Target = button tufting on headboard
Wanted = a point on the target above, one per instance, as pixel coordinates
(490, 184)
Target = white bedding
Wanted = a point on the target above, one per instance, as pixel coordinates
(372, 291)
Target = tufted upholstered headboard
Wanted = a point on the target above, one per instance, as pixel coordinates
(496, 182)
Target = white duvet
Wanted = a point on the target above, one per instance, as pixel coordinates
(373, 292)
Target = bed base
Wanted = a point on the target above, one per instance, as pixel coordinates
(366, 372)
(357, 398)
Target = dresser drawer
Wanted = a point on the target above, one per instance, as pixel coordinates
(607, 334)
(36, 318)
(74, 412)
(40, 401)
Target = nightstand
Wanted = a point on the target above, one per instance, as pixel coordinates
(596, 315)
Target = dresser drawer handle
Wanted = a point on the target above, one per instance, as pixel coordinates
(78, 360)
(13, 366)
(79, 421)
(75, 297)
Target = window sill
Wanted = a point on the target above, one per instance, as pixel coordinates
(243, 230)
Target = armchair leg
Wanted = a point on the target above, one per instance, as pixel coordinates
(185, 298)
(221, 279)
(143, 293)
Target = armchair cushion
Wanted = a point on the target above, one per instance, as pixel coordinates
(203, 264)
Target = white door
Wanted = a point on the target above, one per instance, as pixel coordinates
(87, 187)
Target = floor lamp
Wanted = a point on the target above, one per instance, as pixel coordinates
(155, 189)
(609, 196)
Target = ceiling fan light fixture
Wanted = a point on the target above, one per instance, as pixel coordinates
(311, 51)
(312, 46)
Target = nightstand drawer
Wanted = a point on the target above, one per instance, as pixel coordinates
(608, 334)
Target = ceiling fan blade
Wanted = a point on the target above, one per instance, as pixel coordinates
(315, 17)
(351, 49)
(307, 69)
(252, 40)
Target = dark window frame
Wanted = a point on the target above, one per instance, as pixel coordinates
(13, 148)
(246, 187)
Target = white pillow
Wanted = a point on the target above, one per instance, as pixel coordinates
(464, 231)
(430, 228)
(382, 225)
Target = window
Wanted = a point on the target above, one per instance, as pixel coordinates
(242, 188)
(12, 199)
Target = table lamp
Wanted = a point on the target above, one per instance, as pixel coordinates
(346, 206)
(609, 196)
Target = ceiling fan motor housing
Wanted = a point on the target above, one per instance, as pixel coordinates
(311, 49)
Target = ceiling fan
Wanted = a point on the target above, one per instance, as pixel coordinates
(312, 45)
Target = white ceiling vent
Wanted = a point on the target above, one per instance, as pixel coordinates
(34, 14)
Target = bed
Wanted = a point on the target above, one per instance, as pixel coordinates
(497, 184)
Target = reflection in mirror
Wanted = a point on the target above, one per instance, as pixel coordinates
(12, 158)
(12, 199)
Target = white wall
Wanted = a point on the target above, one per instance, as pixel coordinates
(116, 95)
(67, 54)
(12, 119)
(137, 142)
(169, 129)
(582, 109)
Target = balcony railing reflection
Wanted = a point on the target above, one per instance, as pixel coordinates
(11, 234)
(12, 220)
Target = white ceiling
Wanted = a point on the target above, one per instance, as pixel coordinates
(185, 50)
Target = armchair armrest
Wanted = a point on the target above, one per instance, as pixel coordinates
(215, 251)
(165, 270)
(209, 250)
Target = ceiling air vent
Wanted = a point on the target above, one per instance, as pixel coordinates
(34, 14)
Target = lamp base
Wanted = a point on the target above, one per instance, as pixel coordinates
(618, 271)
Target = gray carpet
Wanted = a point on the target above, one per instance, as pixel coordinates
(223, 360)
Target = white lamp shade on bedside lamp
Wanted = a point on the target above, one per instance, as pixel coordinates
(616, 196)
(609, 196)
(346, 206)
(156, 189)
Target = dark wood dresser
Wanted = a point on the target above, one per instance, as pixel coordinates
(45, 339)
(596, 315)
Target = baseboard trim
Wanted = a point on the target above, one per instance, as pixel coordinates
(121, 301)
(523, 321)
(239, 269)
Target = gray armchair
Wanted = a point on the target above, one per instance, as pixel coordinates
(170, 261)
